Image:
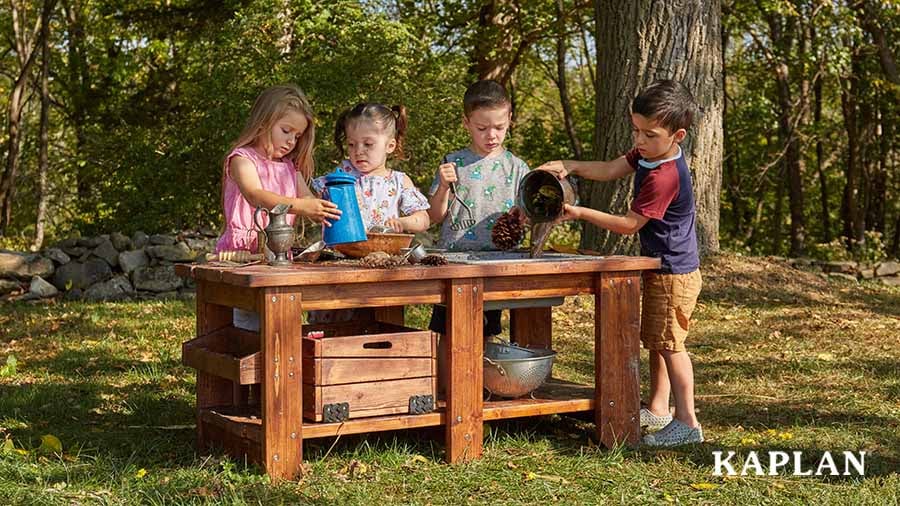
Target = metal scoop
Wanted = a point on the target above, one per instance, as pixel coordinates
(461, 224)
(311, 253)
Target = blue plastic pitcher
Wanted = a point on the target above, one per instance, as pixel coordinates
(340, 189)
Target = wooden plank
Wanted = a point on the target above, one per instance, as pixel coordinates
(374, 295)
(375, 424)
(530, 287)
(282, 398)
(231, 296)
(617, 333)
(531, 327)
(337, 371)
(344, 274)
(464, 429)
(391, 314)
(366, 399)
(555, 396)
(368, 340)
(210, 390)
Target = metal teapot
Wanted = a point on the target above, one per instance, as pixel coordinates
(278, 235)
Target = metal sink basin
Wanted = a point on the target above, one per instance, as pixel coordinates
(493, 257)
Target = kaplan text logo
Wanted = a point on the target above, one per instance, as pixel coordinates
(854, 464)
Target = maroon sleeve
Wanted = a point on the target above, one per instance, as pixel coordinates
(632, 157)
(658, 189)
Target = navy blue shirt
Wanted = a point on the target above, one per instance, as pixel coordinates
(664, 193)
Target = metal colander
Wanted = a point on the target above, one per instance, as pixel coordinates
(513, 371)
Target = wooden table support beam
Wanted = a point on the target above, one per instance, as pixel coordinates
(282, 392)
(464, 420)
(617, 334)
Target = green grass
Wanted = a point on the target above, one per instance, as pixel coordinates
(784, 360)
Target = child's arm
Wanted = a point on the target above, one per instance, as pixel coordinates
(244, 174)
(415, 221)
(441, 198)
(594, 169)
(625, 225)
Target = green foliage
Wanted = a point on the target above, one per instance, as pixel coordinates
(871, 251)
(9, 369)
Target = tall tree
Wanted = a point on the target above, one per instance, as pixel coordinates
(24, 40)
(45, 127)
(639, 41)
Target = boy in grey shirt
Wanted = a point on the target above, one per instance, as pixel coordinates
(487, 177)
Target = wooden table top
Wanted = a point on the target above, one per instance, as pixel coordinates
(336, 273)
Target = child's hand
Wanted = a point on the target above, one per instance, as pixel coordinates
(571, 213)
(394, 224)
(556, 167)
(446, 174)
(319, 210)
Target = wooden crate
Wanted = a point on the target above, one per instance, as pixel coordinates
(367, 369)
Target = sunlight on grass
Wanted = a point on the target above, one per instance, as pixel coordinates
(783, 361)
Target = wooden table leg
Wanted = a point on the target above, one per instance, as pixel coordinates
(465, 427)
(531, 327)
(211, 390)
(617, 334)
(282, 402)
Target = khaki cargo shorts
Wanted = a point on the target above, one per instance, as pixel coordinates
(666, 308)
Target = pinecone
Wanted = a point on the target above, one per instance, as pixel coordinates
(509, 230)
(381, 260)
(434, 260)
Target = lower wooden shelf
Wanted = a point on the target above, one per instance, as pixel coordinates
(555, 396)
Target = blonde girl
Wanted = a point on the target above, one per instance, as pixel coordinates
(271, 163)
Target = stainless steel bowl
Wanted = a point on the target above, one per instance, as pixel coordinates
(513, 371)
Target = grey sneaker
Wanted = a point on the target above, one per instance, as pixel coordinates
(652, 422)
(675, 433)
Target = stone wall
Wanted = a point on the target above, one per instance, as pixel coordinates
(108, 267)
(887, 272)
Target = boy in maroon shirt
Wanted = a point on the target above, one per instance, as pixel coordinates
(664, 214)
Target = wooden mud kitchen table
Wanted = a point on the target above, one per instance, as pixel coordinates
(252, 406)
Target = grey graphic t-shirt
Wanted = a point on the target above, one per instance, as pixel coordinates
(488, 186)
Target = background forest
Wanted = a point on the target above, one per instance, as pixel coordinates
(117, 114)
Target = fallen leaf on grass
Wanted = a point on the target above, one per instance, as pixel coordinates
(50, 443)
(529, 476)
(703, 486)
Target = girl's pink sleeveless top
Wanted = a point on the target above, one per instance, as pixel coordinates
(276, 176)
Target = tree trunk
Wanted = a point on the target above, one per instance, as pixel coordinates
(778, 219)
(25, 45)
(78, 87)
(565, 101)
(852, 220)
(494, 43)
(639, 41)
(820, 146)
(869, 14)
(782, 35)
(44, 133)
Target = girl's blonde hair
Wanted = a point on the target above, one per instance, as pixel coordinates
(270, 106)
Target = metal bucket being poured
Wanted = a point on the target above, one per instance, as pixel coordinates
(542, 195)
